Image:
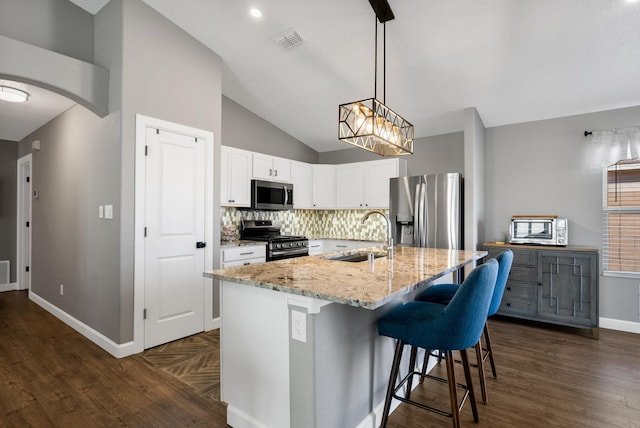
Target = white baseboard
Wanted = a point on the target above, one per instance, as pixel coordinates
(116, 349)
(12, 286)
(211, 324)
(621, 325)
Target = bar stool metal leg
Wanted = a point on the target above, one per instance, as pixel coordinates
(397, 357)
(487, 340)
(412, 367)
(483, 383)
(453, 393)
(467, 375)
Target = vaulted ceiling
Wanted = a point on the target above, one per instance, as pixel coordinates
(514, 60)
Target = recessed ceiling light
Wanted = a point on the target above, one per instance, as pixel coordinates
(256, 13)
(13, 95)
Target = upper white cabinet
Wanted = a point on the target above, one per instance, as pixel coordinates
(366, 184)
(235, 177)
(302, 180)
(271, 168)
(324, 186)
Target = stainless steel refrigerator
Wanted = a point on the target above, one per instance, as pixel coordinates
(427, 211)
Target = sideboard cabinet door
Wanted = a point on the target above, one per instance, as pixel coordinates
(568, 287)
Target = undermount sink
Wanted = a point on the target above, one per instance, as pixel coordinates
(353, 257)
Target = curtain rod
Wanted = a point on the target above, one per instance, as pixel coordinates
(587, 133)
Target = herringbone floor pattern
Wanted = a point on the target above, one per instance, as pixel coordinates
(194, 360)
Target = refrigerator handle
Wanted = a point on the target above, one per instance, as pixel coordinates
(416, 217)
(422, 211)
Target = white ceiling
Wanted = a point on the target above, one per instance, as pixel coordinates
(514, 60)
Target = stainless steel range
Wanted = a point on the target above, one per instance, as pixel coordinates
(278, 246)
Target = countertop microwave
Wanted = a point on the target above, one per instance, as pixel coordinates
(539, 230)
(271, 196)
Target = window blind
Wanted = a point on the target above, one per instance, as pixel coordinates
(621, 227)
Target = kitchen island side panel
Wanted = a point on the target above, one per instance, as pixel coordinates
(254, 356)
(348, 365)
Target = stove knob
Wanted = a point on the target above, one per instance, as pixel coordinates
(277, 245)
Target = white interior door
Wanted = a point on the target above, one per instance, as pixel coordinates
(175, 223)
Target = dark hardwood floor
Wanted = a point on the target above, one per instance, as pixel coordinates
(51, 376)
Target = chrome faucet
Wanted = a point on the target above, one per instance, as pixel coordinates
(389, 237)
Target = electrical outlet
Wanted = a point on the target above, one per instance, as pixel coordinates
(62, 289)
(299, 326)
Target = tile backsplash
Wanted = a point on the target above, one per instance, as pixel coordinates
(314, 224)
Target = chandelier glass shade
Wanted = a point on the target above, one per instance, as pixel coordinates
(371, 125)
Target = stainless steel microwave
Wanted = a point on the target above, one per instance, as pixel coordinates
(271, 196)
(539, 230)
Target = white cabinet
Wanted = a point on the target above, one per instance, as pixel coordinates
(271, 168)
(366, 184)
(316, 247)
(235, 177)
(243, 255)
(320, 246)
(349, 191)
(302, 180)
(324, 186)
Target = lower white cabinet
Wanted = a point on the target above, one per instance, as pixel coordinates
(316, 246)
(243, 255)
(321, 246)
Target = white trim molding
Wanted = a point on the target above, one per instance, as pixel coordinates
(12, 286)
(118, 350)
(620, 325)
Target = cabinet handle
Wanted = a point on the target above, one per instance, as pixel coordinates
(231, 200)
(341, 246)
(508, 288)
(275, 173)
(539, 283)
(508, 304)
(246, 264)
(270, 172)
(246, 254)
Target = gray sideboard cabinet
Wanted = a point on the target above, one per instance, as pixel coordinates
(557, 285)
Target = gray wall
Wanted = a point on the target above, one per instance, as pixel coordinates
(86, 161)
(549, 167)
(431, 155)
(8, 159)
(243, 129)
(58, 26)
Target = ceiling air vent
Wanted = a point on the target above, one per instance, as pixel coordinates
(289, 39)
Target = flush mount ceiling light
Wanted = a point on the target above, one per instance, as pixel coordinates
(13, 95)
(369, 123)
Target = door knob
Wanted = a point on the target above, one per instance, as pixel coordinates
(201, 244)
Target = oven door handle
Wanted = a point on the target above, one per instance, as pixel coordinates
(304, 250)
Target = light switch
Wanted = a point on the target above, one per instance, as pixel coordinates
(101, 211)
(108, 211)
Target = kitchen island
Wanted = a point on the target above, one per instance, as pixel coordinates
(299, 343)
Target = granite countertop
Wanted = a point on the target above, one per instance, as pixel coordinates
(357, 284)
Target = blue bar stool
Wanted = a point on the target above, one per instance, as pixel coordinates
(447, 328)
(443, 293)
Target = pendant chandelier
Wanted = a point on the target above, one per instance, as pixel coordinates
(369, 123)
